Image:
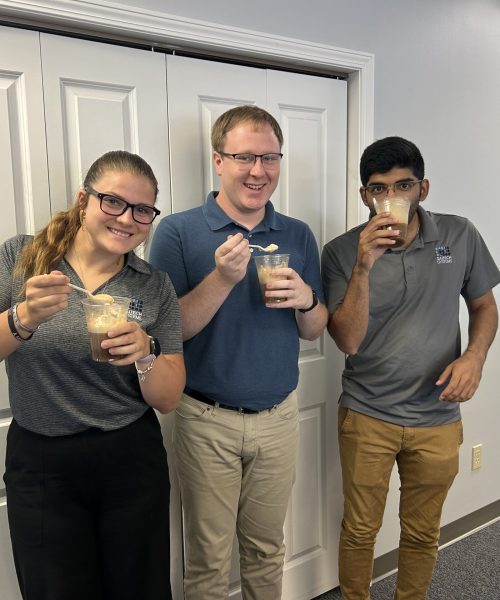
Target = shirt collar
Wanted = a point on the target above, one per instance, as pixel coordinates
(136, 263)
(218, 219)
(428, 229)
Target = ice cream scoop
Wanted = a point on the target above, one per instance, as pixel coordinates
(97, 298)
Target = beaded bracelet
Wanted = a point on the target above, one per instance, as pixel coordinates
(143, 372)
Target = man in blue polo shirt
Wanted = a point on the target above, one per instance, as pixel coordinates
(236, 431)
(395, 312)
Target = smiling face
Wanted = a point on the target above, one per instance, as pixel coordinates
(116, 235)
(245, 191)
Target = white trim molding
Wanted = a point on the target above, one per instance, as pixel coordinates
(114, 20)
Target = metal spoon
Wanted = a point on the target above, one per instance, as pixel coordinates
(97, 298)
(270, 248)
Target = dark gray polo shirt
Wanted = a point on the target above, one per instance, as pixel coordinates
(54, 386)
(248, 354)
(413, 330)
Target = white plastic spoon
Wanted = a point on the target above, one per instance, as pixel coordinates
(270, 248)
(97, 298)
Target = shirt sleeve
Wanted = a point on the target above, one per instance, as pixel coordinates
(482, 273)
(335, 278)
(311, 274)
(168, 327)
(167, 256)
(9, 253)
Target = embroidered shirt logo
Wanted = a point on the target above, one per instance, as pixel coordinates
(135, 309)
(443, 255)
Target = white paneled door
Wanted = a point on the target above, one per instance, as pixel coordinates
(25, 203)
(63, 102)
(312, 113)
(100, 97)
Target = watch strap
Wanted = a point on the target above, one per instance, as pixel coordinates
(12, 326)
(313, 305)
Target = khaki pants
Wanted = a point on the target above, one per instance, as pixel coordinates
(236, 473)
(427, 459)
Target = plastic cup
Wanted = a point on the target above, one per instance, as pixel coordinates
(399, 209)
(266, 263)
(100, 319)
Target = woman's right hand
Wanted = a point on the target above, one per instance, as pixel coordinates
(46, 295)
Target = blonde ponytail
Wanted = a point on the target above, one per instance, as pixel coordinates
(44, 252)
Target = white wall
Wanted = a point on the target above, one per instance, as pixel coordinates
(437, 82)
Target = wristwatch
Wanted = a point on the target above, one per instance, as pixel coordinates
(154, 346)
(314, 303)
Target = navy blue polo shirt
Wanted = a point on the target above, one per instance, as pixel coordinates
(248, 354)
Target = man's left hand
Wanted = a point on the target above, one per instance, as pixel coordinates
(464, 375)
(297, 292)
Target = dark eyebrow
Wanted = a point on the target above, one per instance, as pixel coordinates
(398, 181)
(125, 200)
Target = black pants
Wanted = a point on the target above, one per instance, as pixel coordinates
(88, 513)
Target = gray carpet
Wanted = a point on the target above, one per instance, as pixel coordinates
(466, 570)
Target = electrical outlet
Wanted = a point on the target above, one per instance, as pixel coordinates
(477, 456)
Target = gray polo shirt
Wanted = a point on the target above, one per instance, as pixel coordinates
(413, 330)
(54, 387)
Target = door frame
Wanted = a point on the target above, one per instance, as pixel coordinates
(172, 33)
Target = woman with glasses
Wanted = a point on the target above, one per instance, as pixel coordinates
(86, 471)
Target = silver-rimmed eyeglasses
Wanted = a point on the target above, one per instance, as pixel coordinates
(114, 206)
(271, 160)
(381, 189)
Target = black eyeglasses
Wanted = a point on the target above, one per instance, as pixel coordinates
(379, 189)
(111, 205)
(271, 160)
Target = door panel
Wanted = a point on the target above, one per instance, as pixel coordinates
(99, 98)
(198, 92)
(10, 588)
(23, 159)
(312, 114)
(25, 203)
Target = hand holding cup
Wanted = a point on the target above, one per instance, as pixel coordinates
(399, 208)
(266, 265)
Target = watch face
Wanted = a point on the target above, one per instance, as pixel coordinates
(155, 346)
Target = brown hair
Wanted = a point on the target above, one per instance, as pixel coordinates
(242, 114)
(48, 247)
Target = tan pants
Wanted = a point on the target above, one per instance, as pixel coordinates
(236, 473)
(427, 459)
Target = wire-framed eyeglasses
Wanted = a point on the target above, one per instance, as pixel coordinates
(271, 160)
(381, 189)
(114, 206)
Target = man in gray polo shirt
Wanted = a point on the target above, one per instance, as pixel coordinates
(395, 313)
